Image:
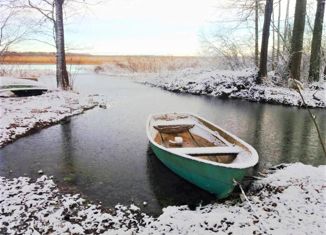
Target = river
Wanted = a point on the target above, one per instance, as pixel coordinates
(104, 153)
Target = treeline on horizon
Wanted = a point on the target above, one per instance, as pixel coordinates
(276, 47)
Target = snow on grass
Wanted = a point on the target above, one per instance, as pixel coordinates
(20, 115)
(290, 200)
(236, 84)
(38, 208)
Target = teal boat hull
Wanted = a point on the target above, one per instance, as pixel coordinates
(215, 179)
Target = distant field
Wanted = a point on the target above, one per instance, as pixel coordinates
(86, 59)
(47, 59)
(102, 63)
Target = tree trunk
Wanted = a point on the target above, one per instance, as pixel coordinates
(314, 70)
(278, 32)
(297, 39)
(264, 42)
(286, 26)
(62, 74)
(273, 47)
(256, 33)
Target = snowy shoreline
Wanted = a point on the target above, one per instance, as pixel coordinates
(20, 116)
(282, 203)
(235, 85)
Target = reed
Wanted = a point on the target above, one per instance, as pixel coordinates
(132, 63)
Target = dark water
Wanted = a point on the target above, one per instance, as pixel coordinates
(104, 153)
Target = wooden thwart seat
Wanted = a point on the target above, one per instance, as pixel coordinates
(173, 129)
(206, 150)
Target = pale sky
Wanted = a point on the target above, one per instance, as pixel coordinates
(147, 27)
(152, 27)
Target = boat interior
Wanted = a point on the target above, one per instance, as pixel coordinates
(191, 137)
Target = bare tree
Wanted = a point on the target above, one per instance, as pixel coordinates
(273, 42)
(297, 39)
(52, 10)
(12, 30)
(256, 33)
(233, 52)
(5, 40)
(247, 8)
(278, 32)
(262, 73)
(248, 12)
(62, 74)
(315, 57)
(286, 26)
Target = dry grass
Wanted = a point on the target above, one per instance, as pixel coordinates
(142, 64)
(89, 59)
(50, 59)
(128, 63)
(155, 63)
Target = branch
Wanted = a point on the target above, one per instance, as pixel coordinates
(298, 87)
(43, 11)
(3, 26)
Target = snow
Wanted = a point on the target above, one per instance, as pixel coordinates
(284, 202)
(11, 81)
(21, 115)
(39, 208)
(236, 84)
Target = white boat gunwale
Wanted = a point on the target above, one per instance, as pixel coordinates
(253, 153)
(206, 150)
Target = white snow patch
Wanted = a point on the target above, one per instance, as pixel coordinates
(235, 84)
(290, 200)
(38, 208)
(17, 81)
(19, 115)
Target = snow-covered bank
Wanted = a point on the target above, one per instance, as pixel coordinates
(236, 84)
(38, 208)
(289, 200)
(21, 115)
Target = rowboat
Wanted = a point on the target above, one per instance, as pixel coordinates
(200, 151)
(21, 87)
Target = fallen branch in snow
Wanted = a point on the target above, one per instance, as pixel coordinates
(255, 214)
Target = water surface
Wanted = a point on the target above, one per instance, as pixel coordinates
(104, 153)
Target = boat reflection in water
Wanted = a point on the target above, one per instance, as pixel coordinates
(170, 189)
